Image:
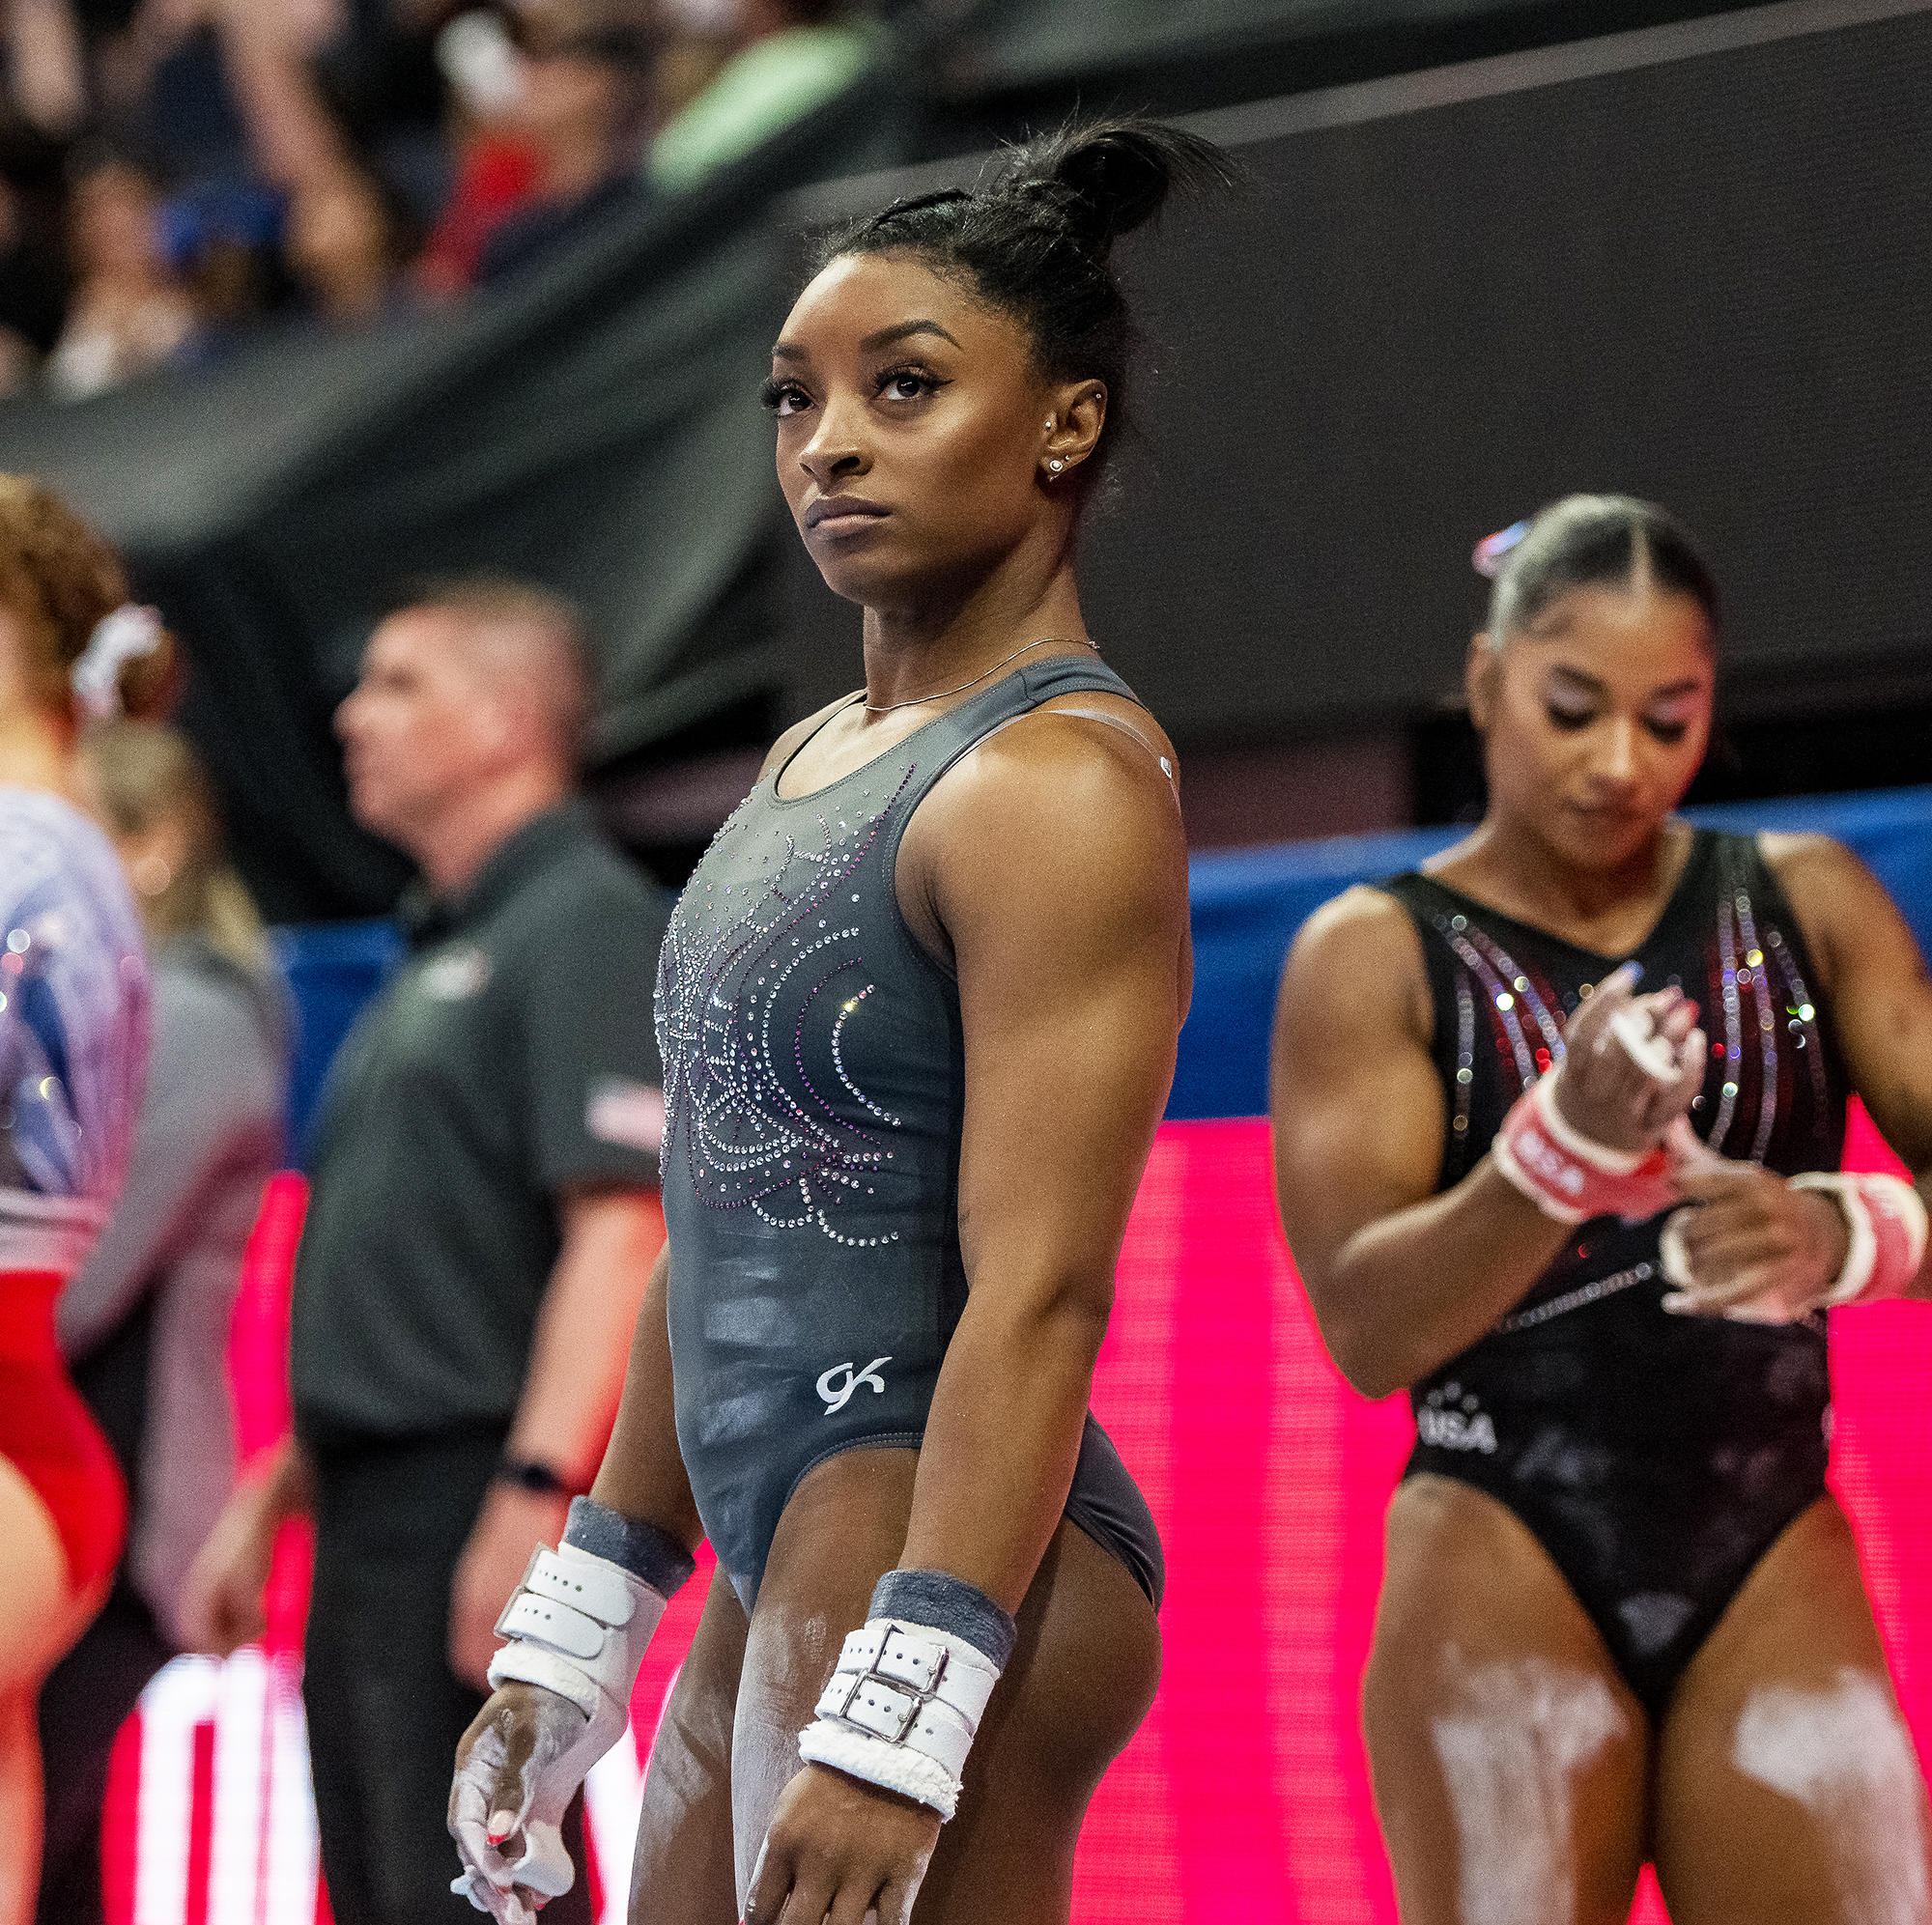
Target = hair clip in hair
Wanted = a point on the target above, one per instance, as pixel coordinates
(1493, 550)
(129, 632)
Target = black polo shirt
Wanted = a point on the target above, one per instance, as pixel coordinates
(512, 1056)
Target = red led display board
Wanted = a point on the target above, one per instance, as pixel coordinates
(1245, 1793)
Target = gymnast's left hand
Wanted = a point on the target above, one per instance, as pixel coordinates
(1749, 1247)
(838, 1848)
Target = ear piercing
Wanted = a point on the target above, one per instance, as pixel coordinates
(1056, 465)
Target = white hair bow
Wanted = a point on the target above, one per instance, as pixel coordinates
(129, 632)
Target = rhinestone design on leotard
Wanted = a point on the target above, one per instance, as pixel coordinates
(1748, 960)
(757, 1127)
(1757, 1011)
(1511, 994)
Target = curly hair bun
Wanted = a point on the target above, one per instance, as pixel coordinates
(1033, 236)
(1121, 172)
(59, 580)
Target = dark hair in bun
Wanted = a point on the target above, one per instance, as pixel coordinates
(1033, 236)
(1591, 539)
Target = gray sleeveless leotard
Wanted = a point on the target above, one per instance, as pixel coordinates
(815, 1086)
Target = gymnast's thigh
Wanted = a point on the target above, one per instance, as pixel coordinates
(40, 1614)
(1082, 1678)
(1079, 1682)
(1787, 1782)
(1509, 1757)
(681, 1872)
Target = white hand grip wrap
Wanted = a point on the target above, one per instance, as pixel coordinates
(577, 1625)
(1887, 1219)
(902, 1710)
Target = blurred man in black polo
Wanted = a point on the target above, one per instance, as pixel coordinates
(483, 1220)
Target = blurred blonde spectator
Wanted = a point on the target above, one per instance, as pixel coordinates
(128, 313)
(144, 1324)
(781, 60)
(345, 240)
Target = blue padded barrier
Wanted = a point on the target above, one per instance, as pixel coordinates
(1246, 908)
(331, 969)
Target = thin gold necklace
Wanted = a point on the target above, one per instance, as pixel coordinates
(940, 695)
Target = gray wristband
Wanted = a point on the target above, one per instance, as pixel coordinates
(642, 1549)
(947, 1603)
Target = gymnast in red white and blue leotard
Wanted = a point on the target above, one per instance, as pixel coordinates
(72, 1049)
(74, 1039)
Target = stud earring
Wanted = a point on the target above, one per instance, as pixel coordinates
(1056, 465)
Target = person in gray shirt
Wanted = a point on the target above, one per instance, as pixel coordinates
(144, 1324)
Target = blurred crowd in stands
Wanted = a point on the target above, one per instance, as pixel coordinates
(177, 176)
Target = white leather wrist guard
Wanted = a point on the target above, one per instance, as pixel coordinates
(1888, 1223)
(902, 1710)
(577, 1625)
(1569, 1176)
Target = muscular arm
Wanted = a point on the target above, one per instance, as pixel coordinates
(1401, 1279)
(1054, 863)
(1879, 993)
(612, 1237)
(643, 1472)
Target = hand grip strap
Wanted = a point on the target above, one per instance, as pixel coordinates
(1888, 1223)
(587, 1650)
(1570, 1177)
(902, 1708)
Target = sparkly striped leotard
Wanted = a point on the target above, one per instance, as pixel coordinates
(1654, 1456)
(814, 1090)
(73, 1051)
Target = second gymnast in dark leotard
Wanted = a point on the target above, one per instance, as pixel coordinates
(918, 1011)
(1622, 1617)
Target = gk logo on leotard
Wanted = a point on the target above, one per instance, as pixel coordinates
(838, 1395)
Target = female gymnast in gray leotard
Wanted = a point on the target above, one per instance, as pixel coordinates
(917, 1011)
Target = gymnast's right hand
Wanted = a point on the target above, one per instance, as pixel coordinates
(517, 1768)
(1631, 1065)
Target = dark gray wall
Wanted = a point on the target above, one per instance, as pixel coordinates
(1693, 265)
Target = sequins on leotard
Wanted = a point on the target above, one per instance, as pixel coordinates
(1752, 988)
(74, 1030)
(753, 970)
(815, 1094)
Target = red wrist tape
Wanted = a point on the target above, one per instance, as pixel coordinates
(1886, 1218)
(1568, 1177)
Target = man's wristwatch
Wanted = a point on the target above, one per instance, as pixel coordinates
(528, 1474)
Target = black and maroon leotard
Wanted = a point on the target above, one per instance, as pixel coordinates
(1656, 1457)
